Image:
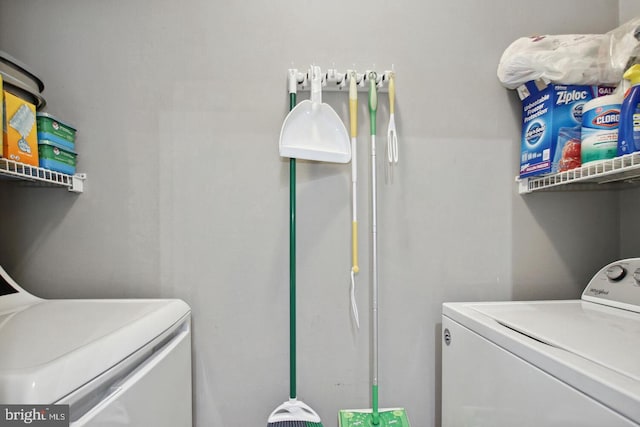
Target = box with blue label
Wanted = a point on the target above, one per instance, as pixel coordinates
(551, 122)
(56, 157)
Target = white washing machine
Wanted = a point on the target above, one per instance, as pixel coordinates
(546, 363)
(114, 362)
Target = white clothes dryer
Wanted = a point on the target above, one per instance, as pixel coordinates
(546, 363)
(114, 362)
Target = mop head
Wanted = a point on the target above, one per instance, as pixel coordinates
(294, 413)
(392, 417)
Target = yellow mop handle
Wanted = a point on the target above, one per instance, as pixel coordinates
(353, 113)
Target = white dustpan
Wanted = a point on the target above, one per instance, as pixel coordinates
(314, 131)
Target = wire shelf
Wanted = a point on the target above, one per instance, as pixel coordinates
(602, 175)
(17, 170)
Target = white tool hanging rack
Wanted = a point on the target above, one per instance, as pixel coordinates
(334, 80)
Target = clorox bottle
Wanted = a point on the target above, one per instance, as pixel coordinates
(629, 129)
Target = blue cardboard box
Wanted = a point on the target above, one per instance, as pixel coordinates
(546, 110)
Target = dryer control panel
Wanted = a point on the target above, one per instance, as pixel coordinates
(616, 285)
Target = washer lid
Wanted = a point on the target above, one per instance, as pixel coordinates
(52, 347)
(607, 336)
(588, 346)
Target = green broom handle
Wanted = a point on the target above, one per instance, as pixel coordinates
(292, 267)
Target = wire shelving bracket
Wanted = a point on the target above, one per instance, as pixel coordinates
(41, 176)
(605, 174)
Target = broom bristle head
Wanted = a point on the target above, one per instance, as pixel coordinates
(294, 424)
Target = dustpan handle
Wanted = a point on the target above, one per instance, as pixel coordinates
(316, 84)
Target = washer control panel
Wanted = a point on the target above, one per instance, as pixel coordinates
(616, 285)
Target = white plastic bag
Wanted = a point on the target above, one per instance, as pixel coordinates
(581, 59)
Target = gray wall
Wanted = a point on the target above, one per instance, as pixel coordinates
(179, 108)
(628, 10)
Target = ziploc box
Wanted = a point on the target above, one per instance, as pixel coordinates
(547, 108)
(19, 139)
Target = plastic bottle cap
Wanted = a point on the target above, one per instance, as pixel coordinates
(633, 74)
